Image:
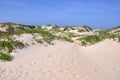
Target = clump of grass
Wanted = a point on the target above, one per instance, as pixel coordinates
(83, 43)
(90, 40)
(47, 36)
(114, 37)
(10, 45)
(48, 40)
(4, 56)
(5, 35)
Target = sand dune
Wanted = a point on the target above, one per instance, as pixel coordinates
(64, 61)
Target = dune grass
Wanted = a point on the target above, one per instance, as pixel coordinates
(49, 36)
(10, 45)
(4, 56)
(63, 38)
(90, 40)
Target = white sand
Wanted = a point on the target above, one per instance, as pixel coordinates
(3, 29)
(64, 61)
(25, 38)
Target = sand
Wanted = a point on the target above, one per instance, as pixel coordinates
(3, 29)
(64, 61)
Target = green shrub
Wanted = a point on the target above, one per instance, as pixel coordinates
(4, 56)
(47, 40)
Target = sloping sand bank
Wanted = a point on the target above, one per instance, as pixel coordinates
(64, 61)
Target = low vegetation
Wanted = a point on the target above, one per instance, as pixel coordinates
(64, 38)
(93, 39)
(4, 56)
(90, 40)
(50, 34)
(10, 45)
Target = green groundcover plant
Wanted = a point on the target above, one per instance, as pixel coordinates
(4, 56)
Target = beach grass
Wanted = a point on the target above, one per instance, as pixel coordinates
(4, 56)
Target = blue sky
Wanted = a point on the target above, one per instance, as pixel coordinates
(95, 13)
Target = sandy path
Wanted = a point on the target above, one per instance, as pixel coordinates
(63, 61)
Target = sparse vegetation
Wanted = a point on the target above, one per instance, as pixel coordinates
(63, 38)
(48, 35)
(39, 41)
(89, 40)
(70, 35)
